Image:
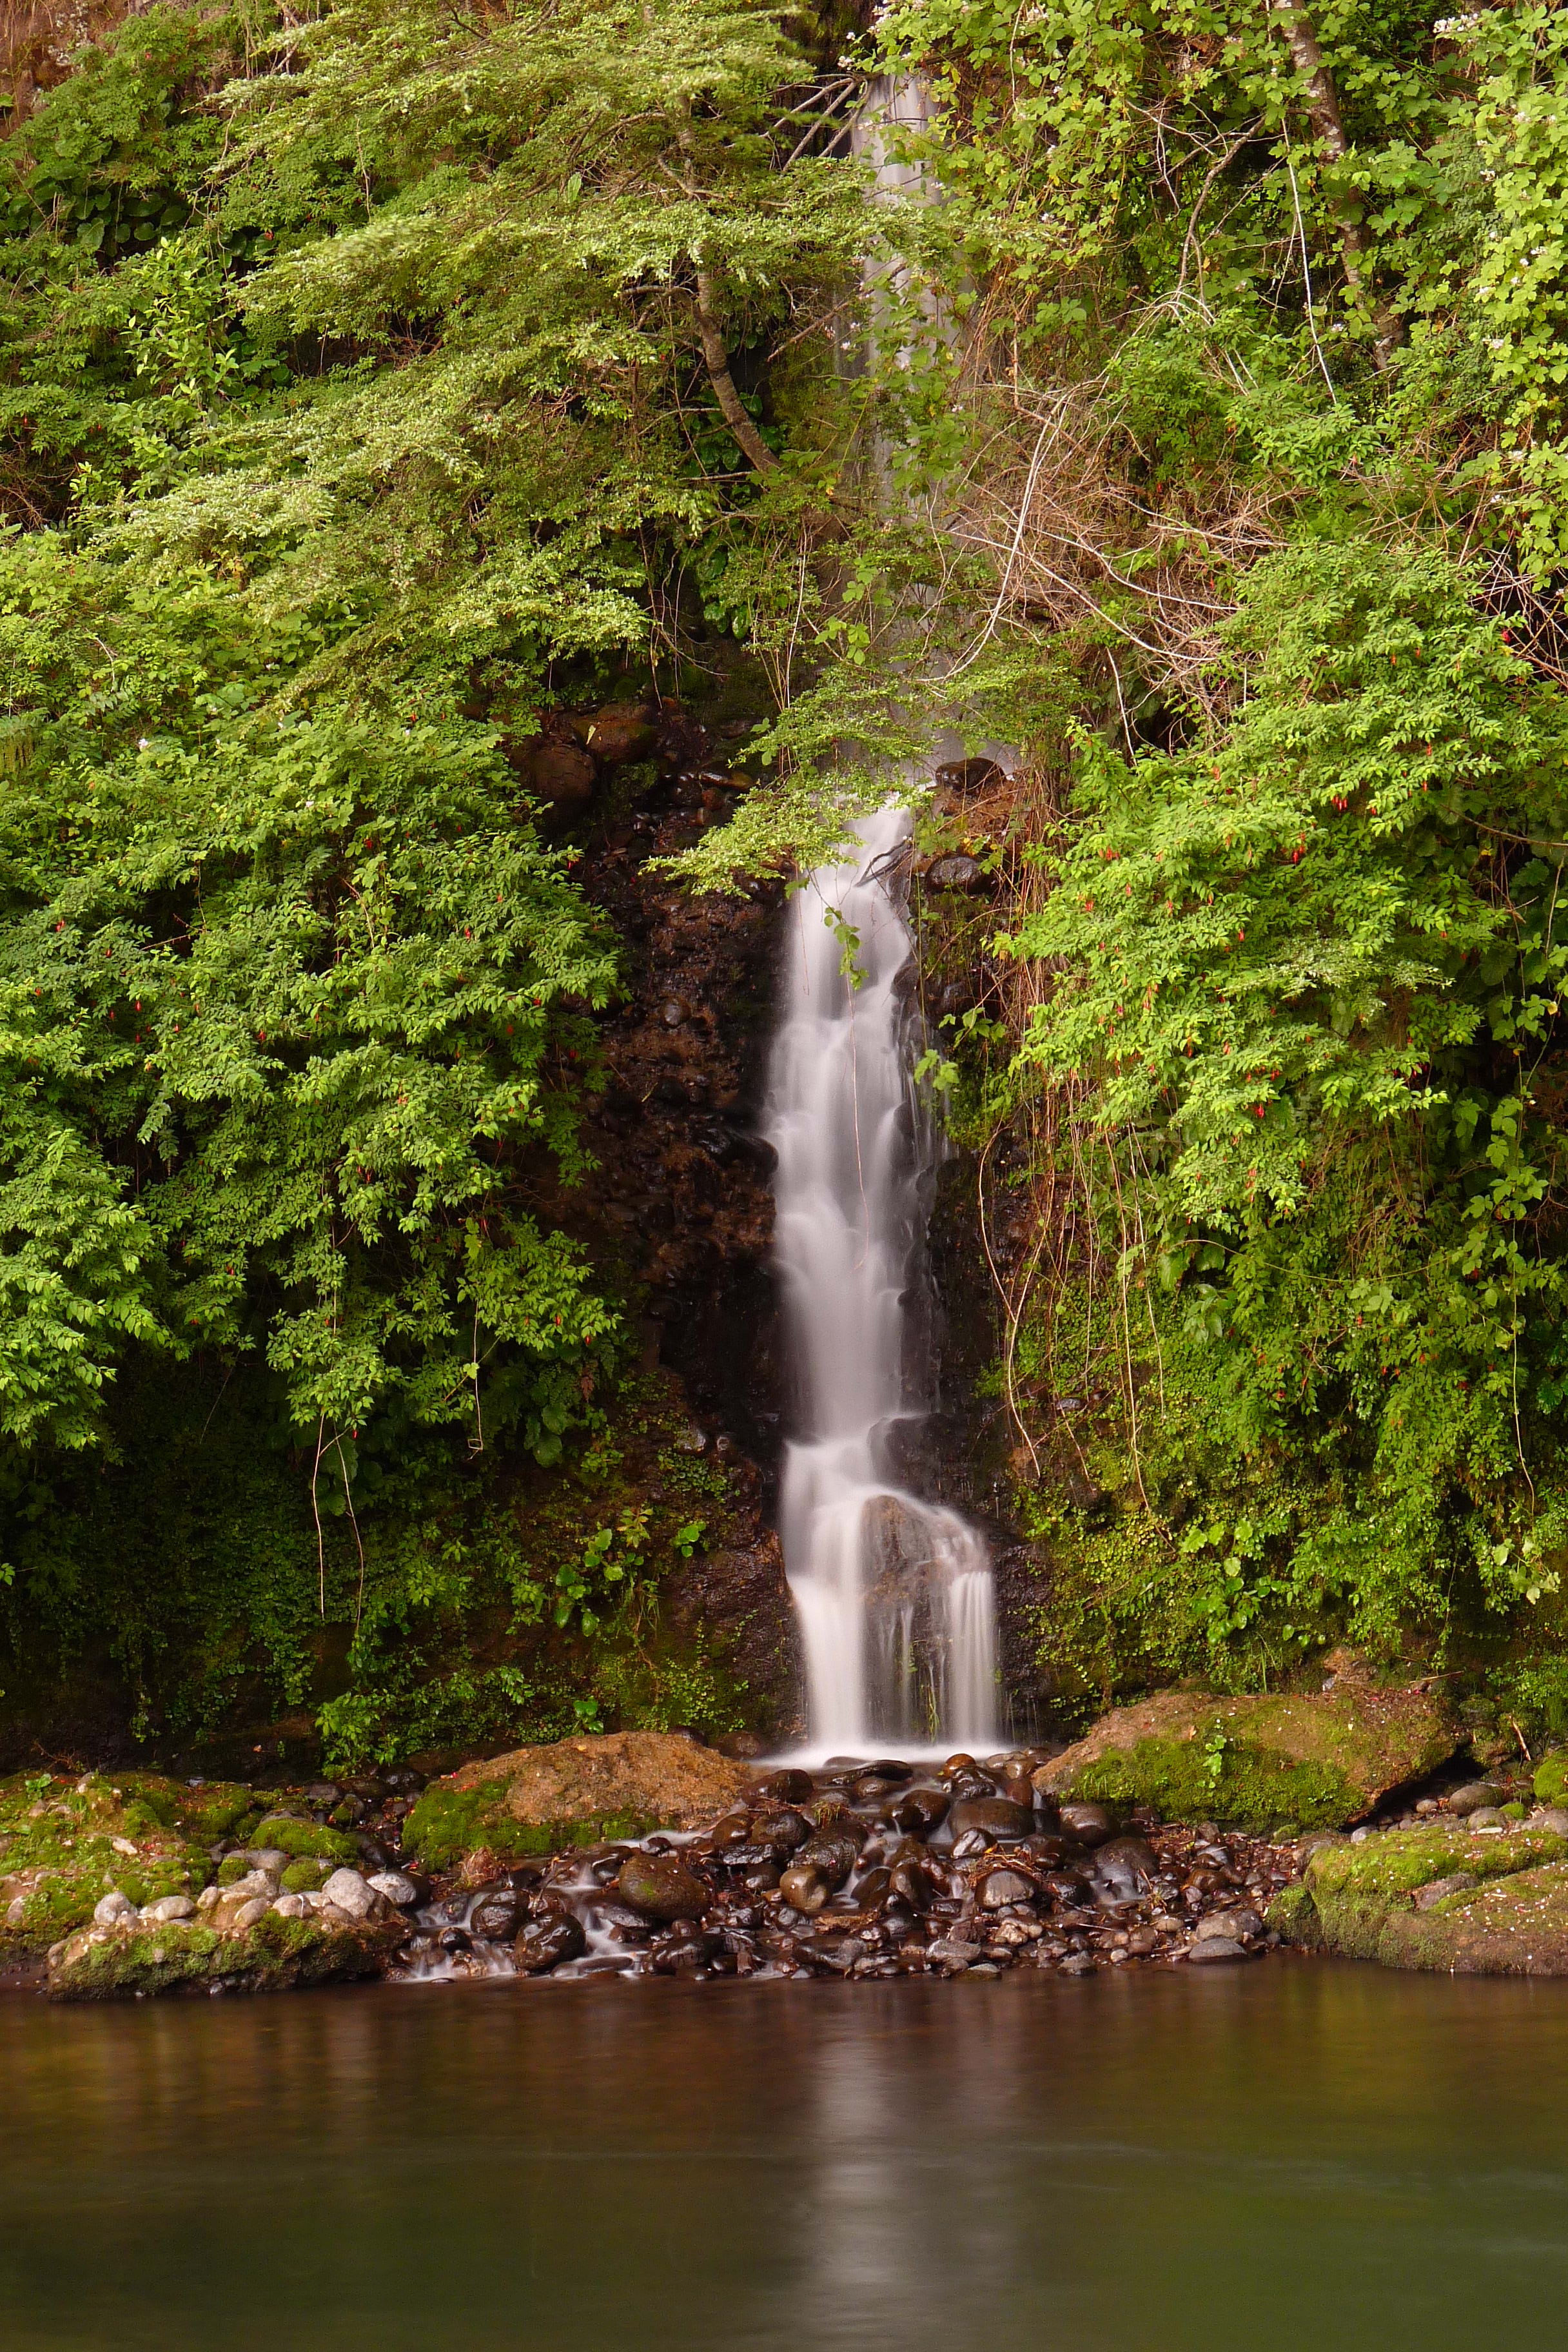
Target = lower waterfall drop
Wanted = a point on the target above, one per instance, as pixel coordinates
(894, 1594)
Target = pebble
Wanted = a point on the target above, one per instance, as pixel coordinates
(347, 1892)
(396, 1886)
(112, 1908)
(169, 1906)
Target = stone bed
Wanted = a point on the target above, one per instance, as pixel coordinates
(872, 1868)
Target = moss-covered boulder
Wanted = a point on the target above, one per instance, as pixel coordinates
(1551, 1779)
(275, 1955)
(573, 1792)
(1472, 1902)
(303, 1840)
(1318, 1759)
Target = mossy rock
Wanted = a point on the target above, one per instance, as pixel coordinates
(59, 1856)
(604, 1785)
(448, 1823)
(1551, 1779)
(307, 1877)
(1318, 1759)
(275, 1956)
(1359, 1901)
(305, 1841)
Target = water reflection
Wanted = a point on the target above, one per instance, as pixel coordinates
(1290, 2155)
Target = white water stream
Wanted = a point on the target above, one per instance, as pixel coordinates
(895, 1594)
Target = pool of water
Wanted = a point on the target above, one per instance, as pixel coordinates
(1291, 2154)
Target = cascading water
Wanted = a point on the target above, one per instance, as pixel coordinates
(894, 1594)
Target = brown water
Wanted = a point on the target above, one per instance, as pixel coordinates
(1291, 2155)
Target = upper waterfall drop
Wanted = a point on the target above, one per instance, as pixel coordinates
(895, 1594)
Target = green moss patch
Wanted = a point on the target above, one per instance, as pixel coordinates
(275, 1956)
(1318, 1760)
(64, 1844)
(449, 1823)
(1359, 1901)
(305, 1841)
(1240, 1782)
(1551, 1779)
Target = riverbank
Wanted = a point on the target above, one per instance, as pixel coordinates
(638, 1854)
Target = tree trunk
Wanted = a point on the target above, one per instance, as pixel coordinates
(1328, 127)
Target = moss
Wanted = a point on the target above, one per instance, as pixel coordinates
(304, 1841)
(306, 1877)
(275, 1956)
(447, 1824)
(1357, 1901)
(1551, 1779)
(201, 1814)
(1288, 1915)
(1240, 1782)
(59, 1851)
(1316, 1760)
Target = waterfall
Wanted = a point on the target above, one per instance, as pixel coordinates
(894, 1594)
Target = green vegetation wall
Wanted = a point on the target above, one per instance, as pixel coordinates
(1186, 411)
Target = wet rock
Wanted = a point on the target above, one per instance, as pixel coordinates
(548, 1942)
(555, 768)
(919, 1810)
(832, 1858)
(1127, 1866)
(1002, 1887)
(803, 1889)
(968, 778)
(1216, 1948)
(660, 1887)
(1087, 1825)
(999, 1816)
(911, 1885)
(785, 1786)
(684, 1949)
(497, 1915)
(620, 732)
(952, 1955)
(782, 1833)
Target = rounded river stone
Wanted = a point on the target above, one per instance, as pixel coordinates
(660, 1887)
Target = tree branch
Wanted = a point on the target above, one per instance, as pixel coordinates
(717, 361)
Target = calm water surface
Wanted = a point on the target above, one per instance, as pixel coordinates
(1294, 2154)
